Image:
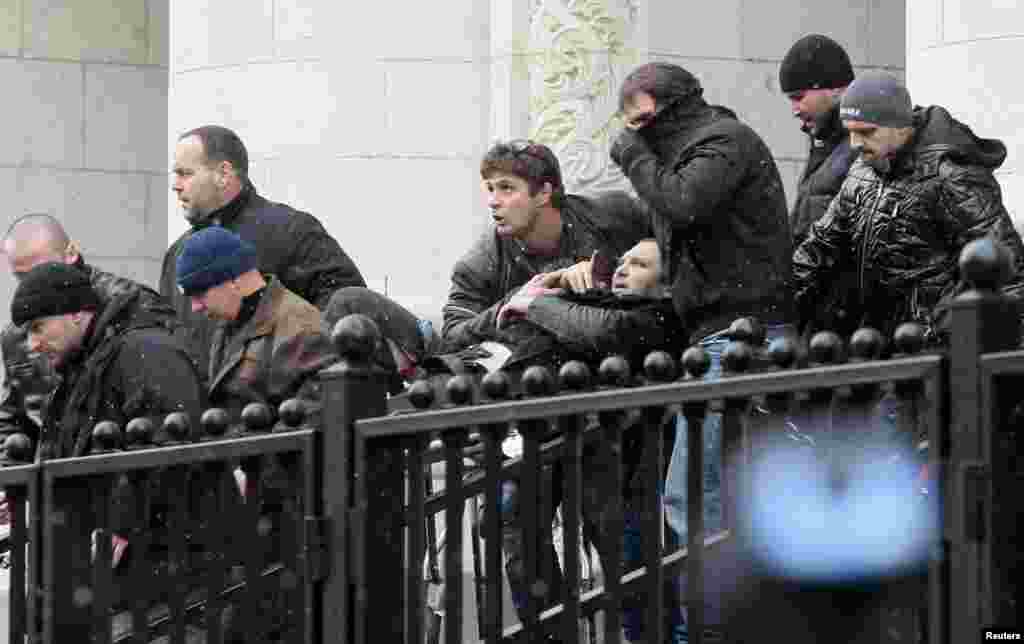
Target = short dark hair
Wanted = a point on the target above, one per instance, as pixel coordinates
(533, 162)
(664, 82)
(222, 144)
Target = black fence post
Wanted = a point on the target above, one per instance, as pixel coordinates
(981, 321)
(352, 389)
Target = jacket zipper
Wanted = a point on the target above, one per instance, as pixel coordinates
(867, 237)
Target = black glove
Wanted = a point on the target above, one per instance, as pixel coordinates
(626, 147)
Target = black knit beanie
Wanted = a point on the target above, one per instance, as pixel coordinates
(815, 62)
(52, 289)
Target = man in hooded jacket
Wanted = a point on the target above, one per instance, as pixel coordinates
(922, 188)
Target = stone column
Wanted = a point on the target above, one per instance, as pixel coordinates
(963, 55)
(85, 111)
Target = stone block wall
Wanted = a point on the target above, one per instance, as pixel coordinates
(85, 117)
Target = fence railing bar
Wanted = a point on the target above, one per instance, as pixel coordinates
(938, 562)
(454, 440)
(653, 521)
(17, 475)
(1002, 362)
(529, 521)
(252, 614)
(17, 507)
(613, 424)
(416, 541)
(171, 455)
(492, 618)
(695, 413)
(102, 585)
(178, 559)
(572, 429)
(913, 368)
(217, 536)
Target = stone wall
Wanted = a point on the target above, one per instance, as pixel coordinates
(85, 116)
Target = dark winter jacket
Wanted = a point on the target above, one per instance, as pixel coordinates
(271, 357)
(900, 232)
(494, 267)
(291, 244)
(29, 378)
(828, 162)
(719, 212)
(130, 366)
(592, 325)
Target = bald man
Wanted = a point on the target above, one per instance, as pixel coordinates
(32, 240)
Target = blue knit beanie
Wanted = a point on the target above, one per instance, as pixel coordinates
(211, 257)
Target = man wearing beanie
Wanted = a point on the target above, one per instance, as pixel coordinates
(268, 342)
(922, 188)
(813, 76)
(31, 240)
(212, 184)
(116, 360)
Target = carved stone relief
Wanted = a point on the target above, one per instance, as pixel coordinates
(579, 52)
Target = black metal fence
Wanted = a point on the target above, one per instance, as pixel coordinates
(288, 530)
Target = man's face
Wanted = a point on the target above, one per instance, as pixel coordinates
(639, 268)
(26, 254)
(810, 105)
(56, 336)
(221, 302)
(877, 144)
(198, 184)
(514, 211)
(639, 111)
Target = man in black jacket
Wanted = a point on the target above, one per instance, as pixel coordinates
(922, 189)
(32, 240)
(813, 75)
(116, 361)
(719, 213)
(211, 181)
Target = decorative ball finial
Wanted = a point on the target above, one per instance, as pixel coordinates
(292, 413)
(826, 347)
(659, 366)
(696, 361)
(214, 422)
(614, 371)
(176, 426)
(106, 436)
(19, 448)
(747, 329)
(140, 431)
(421, 394)
(867, 344)
(574, 376)
(356, 337)
(460, 389)
(495, 385)
(782, 352)
(909, 338)
(537, 381)
(737, 357)
(986, 264)
(257, 417)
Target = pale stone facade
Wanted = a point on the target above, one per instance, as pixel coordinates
(85, 112)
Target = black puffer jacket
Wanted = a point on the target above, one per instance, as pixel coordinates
(719, 212)
(129, 366)
(494, 267)
(29, 377)
(900, 233)
(291, 244)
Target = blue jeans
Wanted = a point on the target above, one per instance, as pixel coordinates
(675, 482)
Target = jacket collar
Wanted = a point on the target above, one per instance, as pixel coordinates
(231, 349)
(229, 211)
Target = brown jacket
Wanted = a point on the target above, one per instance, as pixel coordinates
(272, 357)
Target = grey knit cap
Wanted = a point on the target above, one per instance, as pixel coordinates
(877, 98)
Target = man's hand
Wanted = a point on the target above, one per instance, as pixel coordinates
(578, 277)
(628, 142)
(514, 309)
